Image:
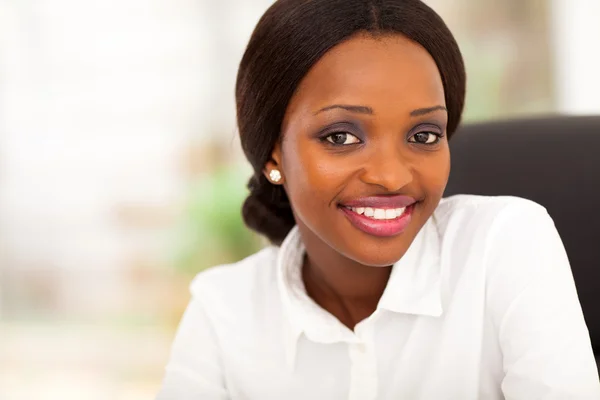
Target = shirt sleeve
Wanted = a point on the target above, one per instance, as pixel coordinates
(194, 370)
(534, 306)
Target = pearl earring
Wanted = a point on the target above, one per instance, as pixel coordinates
(275, 175)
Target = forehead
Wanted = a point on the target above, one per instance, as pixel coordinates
(384, 71)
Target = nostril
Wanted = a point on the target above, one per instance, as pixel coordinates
(390, 177)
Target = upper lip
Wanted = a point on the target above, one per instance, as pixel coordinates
(397, 201)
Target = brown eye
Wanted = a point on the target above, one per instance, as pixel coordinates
(342, 139)
(425, 138)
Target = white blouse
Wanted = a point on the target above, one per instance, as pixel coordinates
(482, 306)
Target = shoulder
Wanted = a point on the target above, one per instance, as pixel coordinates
(236, 284)
(493, 229)
(507, 238)
(467, 205)
(485, 214)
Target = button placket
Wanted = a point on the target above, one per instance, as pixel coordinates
(363, 371)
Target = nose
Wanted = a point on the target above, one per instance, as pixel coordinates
(388, 169)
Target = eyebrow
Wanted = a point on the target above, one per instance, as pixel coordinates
(351, 108)
(368, 110)
(427, 110)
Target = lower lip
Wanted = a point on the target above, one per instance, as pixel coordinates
(379, 227)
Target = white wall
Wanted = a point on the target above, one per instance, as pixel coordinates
(99, 102)
(576, 41)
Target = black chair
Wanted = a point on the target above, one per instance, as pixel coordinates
(554, 161)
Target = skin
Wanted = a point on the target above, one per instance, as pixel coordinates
(389, 145)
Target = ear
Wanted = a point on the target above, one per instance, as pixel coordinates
(273, 168)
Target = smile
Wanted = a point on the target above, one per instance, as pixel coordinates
(380, 216)
(378, 213)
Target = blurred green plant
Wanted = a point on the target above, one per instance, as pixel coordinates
(213, 231)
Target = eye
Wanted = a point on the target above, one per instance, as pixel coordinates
(342, 139)
(425, 138)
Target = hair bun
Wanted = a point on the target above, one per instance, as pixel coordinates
(267, 210)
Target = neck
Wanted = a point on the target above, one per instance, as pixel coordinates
(347, 289)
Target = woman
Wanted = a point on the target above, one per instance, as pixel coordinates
(376, 287)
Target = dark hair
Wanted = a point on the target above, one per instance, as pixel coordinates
(288, 40)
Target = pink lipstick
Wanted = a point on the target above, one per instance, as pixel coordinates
(381, 216)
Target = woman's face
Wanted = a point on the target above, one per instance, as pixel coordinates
(364, 153)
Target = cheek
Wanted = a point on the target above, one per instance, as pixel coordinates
(311, 172)
(434, 174)
(314, 177)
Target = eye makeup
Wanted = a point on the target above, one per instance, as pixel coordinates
(341, 127)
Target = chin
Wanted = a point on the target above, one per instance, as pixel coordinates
(377, 253)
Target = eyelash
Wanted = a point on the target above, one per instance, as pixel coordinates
(438, 136)
(325, 140)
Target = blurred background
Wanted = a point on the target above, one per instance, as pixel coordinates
(121, 175)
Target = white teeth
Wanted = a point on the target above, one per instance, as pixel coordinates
(379, 213)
